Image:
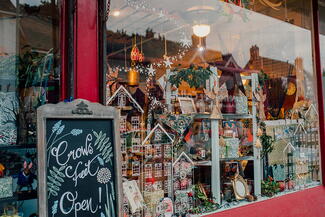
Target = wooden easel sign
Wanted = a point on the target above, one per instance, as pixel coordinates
(78, 160)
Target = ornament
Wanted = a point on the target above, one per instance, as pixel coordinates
(222, 142)
(185, 42)
(260, 98)
(151, 71)
(216, 112)
(259, 132)
(258, 143)
(133, 77)
(168, 63)
(135, 53)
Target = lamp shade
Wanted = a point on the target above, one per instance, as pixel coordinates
(201, 30)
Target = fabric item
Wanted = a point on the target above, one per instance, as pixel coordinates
(8, 111)
(6, 187)
(179, 123)
(278, 172)
(241, 105)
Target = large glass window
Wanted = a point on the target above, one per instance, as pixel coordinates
(225, 87)
(29, 77)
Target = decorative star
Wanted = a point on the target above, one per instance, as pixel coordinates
(151, 71)
(185, 41)
(161, 14)
(168, 63)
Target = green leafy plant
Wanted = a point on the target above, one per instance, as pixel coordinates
(267, 142)
(205, 204)
(270, 187)
(262, 78)
(194, 76)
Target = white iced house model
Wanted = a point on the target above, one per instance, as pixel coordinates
(155, 144)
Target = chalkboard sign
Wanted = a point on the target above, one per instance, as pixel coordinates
(78, 160)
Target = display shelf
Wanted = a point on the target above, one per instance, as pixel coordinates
(238, 158)
(203, 163)
(215, 162)
(225, 116)
(24, 195)
(23, 146)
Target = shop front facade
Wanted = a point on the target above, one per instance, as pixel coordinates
(221, 108)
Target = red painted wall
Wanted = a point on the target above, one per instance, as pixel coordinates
(86, 51)
(307, 203)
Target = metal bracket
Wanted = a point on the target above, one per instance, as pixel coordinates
(82, 109)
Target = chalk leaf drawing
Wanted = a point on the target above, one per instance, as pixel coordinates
(55, 208)
(55, 180)
(104, 145)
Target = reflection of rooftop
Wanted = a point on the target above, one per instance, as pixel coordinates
(273, 68)
(37, 23)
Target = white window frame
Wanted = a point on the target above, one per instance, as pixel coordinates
(158, 170)
(136, 146)
(135, 122)
(135, 168)
(148, 171)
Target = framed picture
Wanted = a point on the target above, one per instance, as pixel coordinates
(187, 105)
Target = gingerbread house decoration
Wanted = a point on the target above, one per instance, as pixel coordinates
(312, 114)
(157, 148)
(182, 179)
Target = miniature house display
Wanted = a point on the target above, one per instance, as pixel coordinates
(183, 181)
(157, 165)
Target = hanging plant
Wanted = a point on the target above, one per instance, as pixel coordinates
(194, 76)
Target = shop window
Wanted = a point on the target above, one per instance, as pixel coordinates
(30, 74)
(216, 71)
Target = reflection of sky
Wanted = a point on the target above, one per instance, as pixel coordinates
(30, 2)
(229, 32)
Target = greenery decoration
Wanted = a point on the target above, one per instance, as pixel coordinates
(267, 142)
(205, 204)
(262, 78)
(270, 187)
(195, 76)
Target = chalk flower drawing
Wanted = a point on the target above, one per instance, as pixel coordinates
(104, 175)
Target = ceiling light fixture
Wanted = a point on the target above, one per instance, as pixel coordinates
(116, 13)
(201, 30)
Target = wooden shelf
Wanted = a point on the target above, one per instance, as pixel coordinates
(226, 116)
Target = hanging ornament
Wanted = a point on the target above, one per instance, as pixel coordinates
(259, 132)
(133, 75)
(258, 143)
